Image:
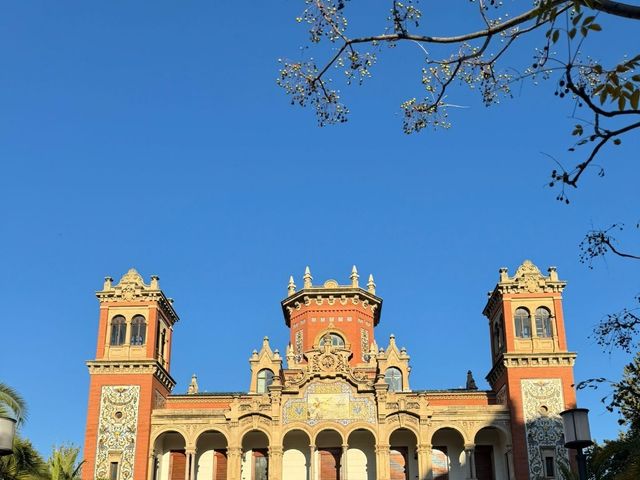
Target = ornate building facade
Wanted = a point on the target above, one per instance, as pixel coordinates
(337, 405)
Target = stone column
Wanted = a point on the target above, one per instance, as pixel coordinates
(469, 449)
(187, 466)
(344, 460)
(511, 474)
(152, 465)
(382, 462)
(424, 462)
(312, 462)
(275, 462)
(234, 461)
(193, 464)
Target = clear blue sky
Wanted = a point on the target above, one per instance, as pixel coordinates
(153, 135)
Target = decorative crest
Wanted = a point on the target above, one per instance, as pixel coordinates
(529, 279)
(307, 278)
(292, 286)
(371, 286)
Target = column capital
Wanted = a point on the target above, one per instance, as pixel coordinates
(469, 446)
(234, 450)
(382, 448)
(275, 450)
(190, 451)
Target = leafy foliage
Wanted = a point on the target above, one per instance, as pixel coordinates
(611, 93)
(64, 463)
(12, 404)
(24, 464)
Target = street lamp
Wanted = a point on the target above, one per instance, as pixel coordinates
(7, 432)
(577, 435)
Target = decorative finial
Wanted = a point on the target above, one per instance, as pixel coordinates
(193, 386)
(307, 278)
(504, 276)
(371, 286)
(354, 277)
(154, 282)
(553, 274)
(108, 281)
(471, 383)
(292, 286)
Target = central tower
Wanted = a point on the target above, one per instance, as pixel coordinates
(344, 315)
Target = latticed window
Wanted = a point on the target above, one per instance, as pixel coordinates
(118, 330)
(543, 323)
(334, 339)
(523, 323)
(265, 378)
(393, 378)
(138, 330)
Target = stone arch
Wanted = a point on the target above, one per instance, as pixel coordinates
(361, 454)
(403, 452)
(451, 426)
(299, 426)
(362, 426)
(257, 428)
(170, 429)
(296, 454)
(333, 428)
(255, 443)
(491, 447)
(448, 452)
(505, 431)
(330, 451)
(221, 429)
(337, 331)
(169, 452)
(211, 453)
(404, 426)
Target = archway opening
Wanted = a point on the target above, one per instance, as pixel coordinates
(448, 461)
(490, 454)
(211, 460)
(361, 455)
(403, 458)
(255, 456)
(328, 461)
(169, 459)
(296, 456)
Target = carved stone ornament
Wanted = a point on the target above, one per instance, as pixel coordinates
(117, 429)
(529, 279)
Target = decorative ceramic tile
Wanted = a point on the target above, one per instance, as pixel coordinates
(329, 402)
(364, 343)
(542, 403)
(117, 429)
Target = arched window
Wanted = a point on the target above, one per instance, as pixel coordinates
(543, 323)
(393, 378)
(138, 330)
(523, 323)
(334, 340)
(265, 378)
(118, 330)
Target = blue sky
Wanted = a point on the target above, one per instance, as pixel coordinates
(154, 136)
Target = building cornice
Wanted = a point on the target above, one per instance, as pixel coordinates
(113, 367)
(529, 360)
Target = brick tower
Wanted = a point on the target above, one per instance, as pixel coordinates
(532, 368)
(128, 378)
(346, 319)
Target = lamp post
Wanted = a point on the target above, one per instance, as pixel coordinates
(7, 432)
(577, 435)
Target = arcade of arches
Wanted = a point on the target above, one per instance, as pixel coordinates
(335, 405)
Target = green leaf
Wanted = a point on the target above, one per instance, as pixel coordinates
(572, 33)
(595, 27)
(555, 36)
(617, 141)
(622, 101)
